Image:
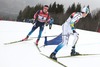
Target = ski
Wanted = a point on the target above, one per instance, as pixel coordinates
(49, 57)
(37, 47)
(16, 41)
(77, 55)
(54, 60)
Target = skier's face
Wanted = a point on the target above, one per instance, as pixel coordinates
(45, 9)
(84, 14)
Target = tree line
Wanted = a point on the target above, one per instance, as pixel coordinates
(56, 11)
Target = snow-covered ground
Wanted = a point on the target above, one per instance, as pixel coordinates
(25, 54)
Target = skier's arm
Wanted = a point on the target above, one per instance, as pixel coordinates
(47, 20)
(36, 15)
(74, 19)
(51, 22)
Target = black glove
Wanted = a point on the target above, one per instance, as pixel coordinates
(33, 21)
(74, 31)
(50, 26)
(46, 24)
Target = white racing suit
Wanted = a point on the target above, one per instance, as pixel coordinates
(68, 29)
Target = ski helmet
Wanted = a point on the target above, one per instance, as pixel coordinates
(86, 10)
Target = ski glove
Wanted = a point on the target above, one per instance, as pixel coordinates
(33, 21)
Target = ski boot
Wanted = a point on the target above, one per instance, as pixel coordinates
(25, 38)
(74, 53)
(52, 56)
(37, 42)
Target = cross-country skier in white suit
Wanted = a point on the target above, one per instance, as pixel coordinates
(68, 29)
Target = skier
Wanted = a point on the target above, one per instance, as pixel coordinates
(41, 18)
(68, 29)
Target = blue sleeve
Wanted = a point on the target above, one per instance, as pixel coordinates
(51, 21)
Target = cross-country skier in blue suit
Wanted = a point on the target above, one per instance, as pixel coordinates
(68, 29)
(41, 18)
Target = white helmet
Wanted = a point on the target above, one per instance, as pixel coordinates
(86, 9)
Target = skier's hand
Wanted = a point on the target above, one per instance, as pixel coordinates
(50, 26)
(74, 31)
(33, 21)
(46, 23)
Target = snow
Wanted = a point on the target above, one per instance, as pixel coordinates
(25, 54)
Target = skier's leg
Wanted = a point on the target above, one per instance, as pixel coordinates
(40, 33)
(64, 41)
(32, 30)
(65, 38)
(58, 47)
(76, 37)
(53, 54)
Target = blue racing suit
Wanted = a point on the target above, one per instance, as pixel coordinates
(37, 24)
(40, 19)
